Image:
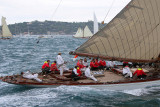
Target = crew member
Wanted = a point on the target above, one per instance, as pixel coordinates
(46, 67)
(102, 64)
(88, 74)
(61, 64)
(140, 73)
(54, 67)
(75, 73)
(80, 63)
(93, 65)
(126, 71)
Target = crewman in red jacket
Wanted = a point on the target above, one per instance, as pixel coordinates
(46, 67)
(140, 73)
(79, 71)
(80, 63)
(94, 64)
(102, 64)
(54, 67)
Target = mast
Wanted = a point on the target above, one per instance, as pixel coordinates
(132, 35)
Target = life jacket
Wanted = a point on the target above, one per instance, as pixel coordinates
(79, 71)
(54, 67)
(91, 64)
(102, 63)
(46, 64)
(139, 72)
(96, 64)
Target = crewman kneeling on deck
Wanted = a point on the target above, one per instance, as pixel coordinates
(54, 67)
(76, 73)
(140, 73)
(88, 74)
(46, 67)
(126, 71)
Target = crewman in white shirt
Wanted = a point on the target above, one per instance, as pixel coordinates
(61, 64)
(88, 74)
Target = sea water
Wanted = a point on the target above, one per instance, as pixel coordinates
(28, 53)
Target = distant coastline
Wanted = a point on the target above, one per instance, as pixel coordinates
(49, 27)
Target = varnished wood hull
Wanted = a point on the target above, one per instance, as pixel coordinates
(108, 86)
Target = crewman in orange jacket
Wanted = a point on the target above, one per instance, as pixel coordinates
(54, 67)
(46, 67)
(140, 73)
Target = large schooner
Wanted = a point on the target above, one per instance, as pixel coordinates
(133, 35)
(6, 34)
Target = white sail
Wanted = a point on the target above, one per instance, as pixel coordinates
(87, 32)
(95, 24)
(79, 33)
(5, 30)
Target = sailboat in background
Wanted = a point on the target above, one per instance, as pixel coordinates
(86, 33)
(95, 24)
(79, 33)
(6, 34)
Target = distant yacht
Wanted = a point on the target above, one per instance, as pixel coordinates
(95, 24)
(86, 33)
(5, 34)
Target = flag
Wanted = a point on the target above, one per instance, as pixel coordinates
(75, 57)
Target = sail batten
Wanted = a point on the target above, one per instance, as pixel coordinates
(132, 34)
(5, 30)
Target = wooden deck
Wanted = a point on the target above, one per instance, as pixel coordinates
(109, 76)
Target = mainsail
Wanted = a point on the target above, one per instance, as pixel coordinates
(87, 32)
(83, 33)
(95, 24)
(133, 35)
(79, 33)
(5, 30)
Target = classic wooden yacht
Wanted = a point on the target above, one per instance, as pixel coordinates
(132, 35)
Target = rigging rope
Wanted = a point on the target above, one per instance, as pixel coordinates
(56, 9)
(108, 11)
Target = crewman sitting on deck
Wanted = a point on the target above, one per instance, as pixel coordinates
(80, 63)
(54, 67)
(140, 73)
(76, 73)
(46, 67)
(102, 64)
(85, 62)
(88, 74)
(126, 71)
(94, 64)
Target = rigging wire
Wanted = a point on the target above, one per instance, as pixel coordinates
(108, 11)
(56, 9)
(38, 41)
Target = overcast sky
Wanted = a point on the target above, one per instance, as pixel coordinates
(69, 11)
